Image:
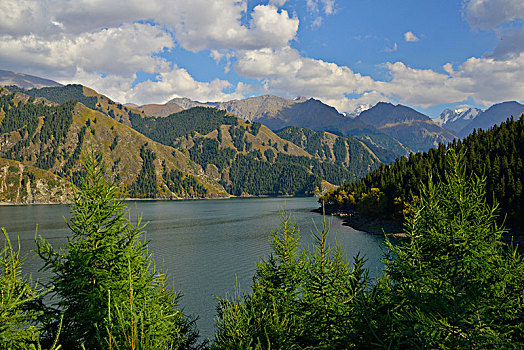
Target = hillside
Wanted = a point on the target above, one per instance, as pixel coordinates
(347, 152)
(278, 112)
(248, 158)
(26, 184)
(52, 137)
(88, 97)
(413, 129)
(497, 154)
(158, 110)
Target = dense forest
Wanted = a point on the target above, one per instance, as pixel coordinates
(347, 152)
(496, 154)
(25, 119)
(167, 129)
(244, 168)
(449, 284)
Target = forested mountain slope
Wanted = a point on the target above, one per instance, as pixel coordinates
(89, 97)
(247, 158)
(52, 137)
(347, 152)
(497, 154)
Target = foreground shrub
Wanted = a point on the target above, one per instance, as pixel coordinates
(451, 284)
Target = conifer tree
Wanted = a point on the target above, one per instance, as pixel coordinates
(451, 284)
(105, 282)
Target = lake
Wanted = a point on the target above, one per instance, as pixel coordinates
(206, 246)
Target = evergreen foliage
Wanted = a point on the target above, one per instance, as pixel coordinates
(24, 118)
(451, 284)
(250, 176)
(207, 151)
(497, 154)
(167, 129)
(105, 282)
(59, 94)
(300, 299)
(346, 152)
(183, 185)
(145, 185)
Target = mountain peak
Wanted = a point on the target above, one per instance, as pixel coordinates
(25, 81)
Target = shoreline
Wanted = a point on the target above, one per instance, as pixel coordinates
(128, 199)
(391, 228)
(373, 226)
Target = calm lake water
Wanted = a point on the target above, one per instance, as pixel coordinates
(206, 246)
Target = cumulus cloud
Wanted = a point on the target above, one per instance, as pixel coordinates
(99, 43)
(205, 26)
(410, 37)
(122, 50)
(286, 73)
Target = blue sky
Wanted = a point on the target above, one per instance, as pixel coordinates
(429, 55)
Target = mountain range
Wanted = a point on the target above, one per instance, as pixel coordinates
(261, 145)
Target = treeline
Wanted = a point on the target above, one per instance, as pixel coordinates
(448, 285)
(243, 169)
(167, 129)
(146, 186)
(497, 154)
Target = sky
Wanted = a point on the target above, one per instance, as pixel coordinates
(429, 54)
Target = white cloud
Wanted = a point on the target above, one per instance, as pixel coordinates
(319, 8)
(285, 72)
(101, 43)
(410, 37)
(209, 26)
(122, 51)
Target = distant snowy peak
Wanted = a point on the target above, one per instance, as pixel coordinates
(356, 112)
(452, 115)
(456, 119)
